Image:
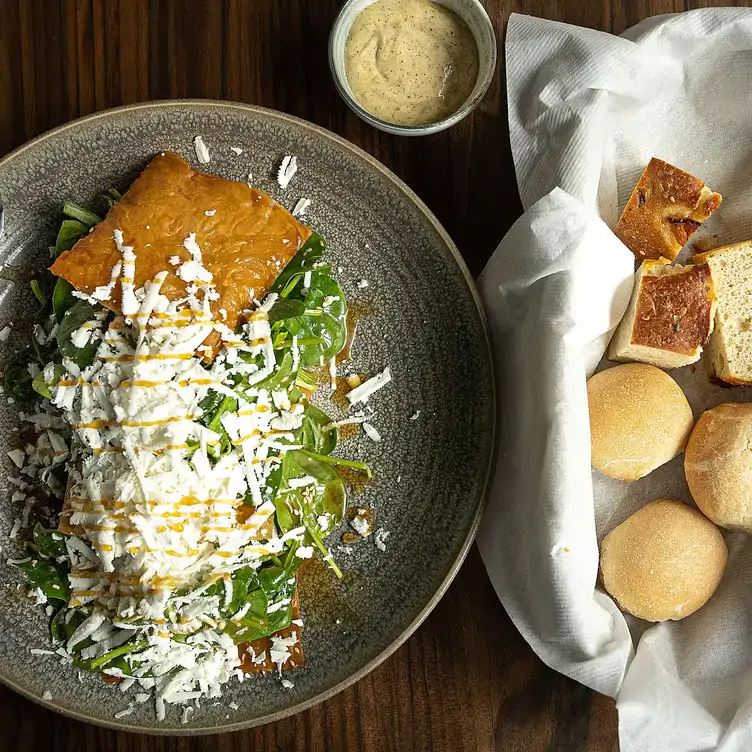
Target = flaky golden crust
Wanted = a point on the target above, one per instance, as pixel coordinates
(665, 209)
(246, 239)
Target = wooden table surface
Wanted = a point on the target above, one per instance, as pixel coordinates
(466, 680)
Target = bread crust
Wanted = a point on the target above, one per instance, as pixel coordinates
(664, 211)
(718, 465)
(731, 322)
(670, 316)
(664, 562)
(639, 420)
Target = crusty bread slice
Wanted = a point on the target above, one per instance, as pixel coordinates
(669, 318)
(665, 209)
(730, 347)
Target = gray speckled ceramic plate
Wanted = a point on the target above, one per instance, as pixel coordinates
(430, 473)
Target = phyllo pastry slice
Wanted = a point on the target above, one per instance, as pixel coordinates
(185, 223)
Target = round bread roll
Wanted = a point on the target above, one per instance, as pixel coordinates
(663, 562)
(639, 420)
(718, 465)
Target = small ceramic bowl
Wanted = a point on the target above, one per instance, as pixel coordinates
(474, 15)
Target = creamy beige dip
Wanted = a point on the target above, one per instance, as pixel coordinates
(410, 62)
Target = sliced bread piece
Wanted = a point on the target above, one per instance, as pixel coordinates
(669, 318)
(665, 209)
(730, 347)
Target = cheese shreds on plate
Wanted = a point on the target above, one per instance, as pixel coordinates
(367, 388)
(286, 171)
(202, 152)
(173, 425)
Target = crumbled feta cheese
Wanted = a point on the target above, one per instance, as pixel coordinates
(287, 684)
(175, 260)
(47, 695)
(81, 336)
(304, 552)
(5, 333)
(362, 284)
(236, 149)
(371, 432)
(361, 526)
(202, 152)
(379, 538)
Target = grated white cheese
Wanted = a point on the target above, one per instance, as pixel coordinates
(124, 713)
(415, 415)
(287, 169)
(202, 152)
(367, 388)
(47, 695)
(362, 284)
(371, 432)
(236, 150)
(5, 333)
(301, 207)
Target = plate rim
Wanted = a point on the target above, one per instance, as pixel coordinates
(448, 578)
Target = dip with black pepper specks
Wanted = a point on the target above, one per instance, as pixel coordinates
(410, 62)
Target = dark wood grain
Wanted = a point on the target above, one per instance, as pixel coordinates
(466, 680)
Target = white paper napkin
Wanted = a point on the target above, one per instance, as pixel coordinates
(587, 110)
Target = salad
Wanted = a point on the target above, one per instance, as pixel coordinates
(186, 471)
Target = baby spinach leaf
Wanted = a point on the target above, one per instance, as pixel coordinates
(62, 298)
(96, 664)
(36, 288)
(282, 376)
(339, 461)
(318, 432)
(285, 309)
(70, 231)
(64, 623)
(304, 506)
(44, 388)
(73, 319)
(50, 578)
(49, 543)
(308, 254)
